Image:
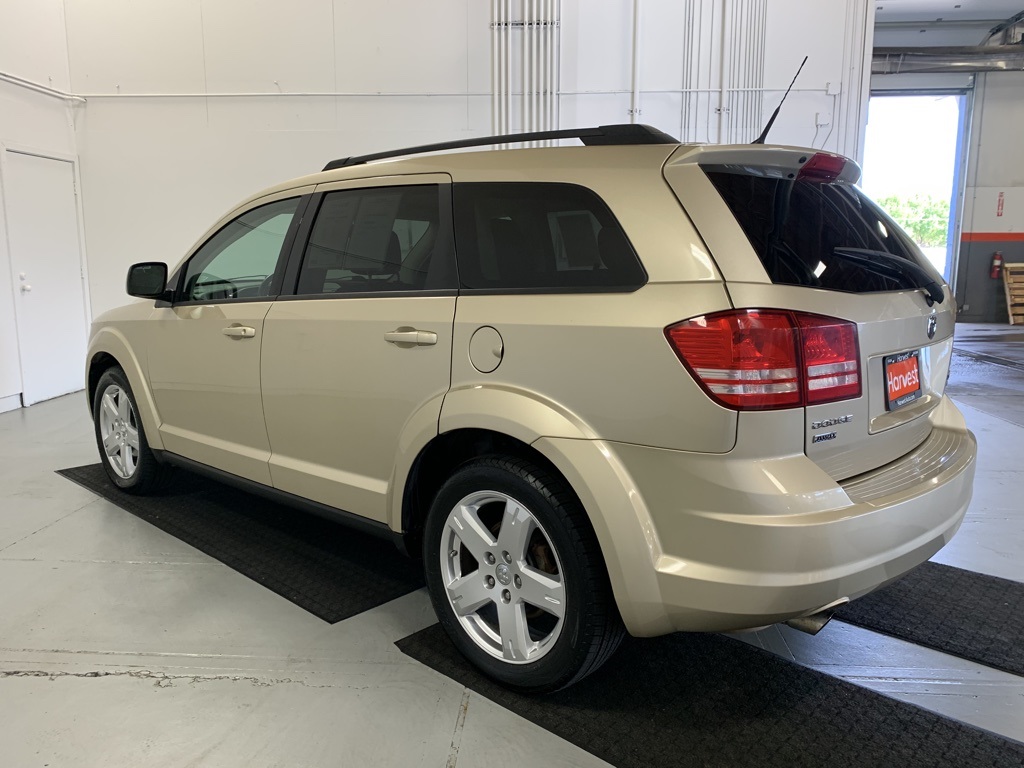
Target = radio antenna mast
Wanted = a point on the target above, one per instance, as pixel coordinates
(771, 120)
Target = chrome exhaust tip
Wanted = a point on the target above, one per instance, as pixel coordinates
(814, 622)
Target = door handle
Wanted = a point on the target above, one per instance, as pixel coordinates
(239, 332)
(411, 336)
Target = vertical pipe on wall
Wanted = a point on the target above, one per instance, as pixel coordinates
(722, 78)
(634, 101)
(732, 95)
(756, 76)
(556, 66)
(502, 67)
(737, 99)
(506, 67)
(495, 63)
(524, 108)
(759, 95)
(555, 19)
(549, 36)
(553, 64)
(684, 79)
(745, 133)
(539, 51)
(534, 60)
(526, 74)
(545, 75)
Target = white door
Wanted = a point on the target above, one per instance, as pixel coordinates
(46, 270)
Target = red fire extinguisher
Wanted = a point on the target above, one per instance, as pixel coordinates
(997, 266)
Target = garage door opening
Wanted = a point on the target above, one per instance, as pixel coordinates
(913, 156)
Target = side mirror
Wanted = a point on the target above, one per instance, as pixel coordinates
(147, 280)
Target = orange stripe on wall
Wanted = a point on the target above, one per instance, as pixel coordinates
(992, 237)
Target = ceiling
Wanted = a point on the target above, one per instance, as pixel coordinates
(891, 11)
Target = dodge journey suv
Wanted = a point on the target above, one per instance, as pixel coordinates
(632, 386)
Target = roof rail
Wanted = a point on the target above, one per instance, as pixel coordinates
(623, 133)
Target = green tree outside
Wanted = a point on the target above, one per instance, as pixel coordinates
(924, 217)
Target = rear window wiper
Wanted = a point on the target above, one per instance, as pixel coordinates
(888, 265)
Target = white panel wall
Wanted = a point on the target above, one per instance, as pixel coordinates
(32, 43)
(999, 158)
(154, 46)
(32, 47)
(294, 86)
(714, 70)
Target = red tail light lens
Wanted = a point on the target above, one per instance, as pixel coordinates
(830, 357)
(756, 359)
(744, 359)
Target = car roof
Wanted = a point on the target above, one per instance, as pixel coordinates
(580, 164)
(535, 164)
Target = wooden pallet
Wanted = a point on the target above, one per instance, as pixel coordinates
(1013, 281)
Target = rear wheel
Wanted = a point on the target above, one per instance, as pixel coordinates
(516, 576)
(121, 440)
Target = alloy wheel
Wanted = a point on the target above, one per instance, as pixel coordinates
(502, 577)
(119, 431)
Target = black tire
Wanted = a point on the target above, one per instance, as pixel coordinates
(141, 474)
(589, 629)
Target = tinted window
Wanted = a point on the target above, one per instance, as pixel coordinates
(821, 235)
(240, 261)
(380, 239)
(540, 236)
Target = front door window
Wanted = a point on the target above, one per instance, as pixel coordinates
(242, 259)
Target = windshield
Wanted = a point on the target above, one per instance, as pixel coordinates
(804, 232)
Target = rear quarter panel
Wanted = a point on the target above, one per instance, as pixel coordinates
(599, 361)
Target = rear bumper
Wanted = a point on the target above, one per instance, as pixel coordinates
(738, 543)
(789, 566)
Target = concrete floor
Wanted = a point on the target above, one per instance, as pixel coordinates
(996, 341)
(122, 646)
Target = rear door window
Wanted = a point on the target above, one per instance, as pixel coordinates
(379, 239)
(519, 236)
(819, 234)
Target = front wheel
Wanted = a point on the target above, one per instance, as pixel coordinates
(516, 576)
(121, 440)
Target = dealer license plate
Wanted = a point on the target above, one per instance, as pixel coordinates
(902, 379)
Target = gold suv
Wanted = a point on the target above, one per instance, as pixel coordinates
(633, 386)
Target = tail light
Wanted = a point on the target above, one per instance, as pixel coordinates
(757, 359)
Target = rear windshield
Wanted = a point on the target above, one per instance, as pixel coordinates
(820, 235)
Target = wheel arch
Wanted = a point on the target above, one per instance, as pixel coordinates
(621, 524)
(444, 454)
(469, 421)
(110, 348)
(477, 419)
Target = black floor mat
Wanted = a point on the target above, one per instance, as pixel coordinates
(329, 570)
(959, 612)
(704, 700)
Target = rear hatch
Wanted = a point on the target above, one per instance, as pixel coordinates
(790, 231)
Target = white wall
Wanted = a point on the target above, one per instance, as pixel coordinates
(32, 47)
(158, 170)
(166, 150)
(714, 71)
